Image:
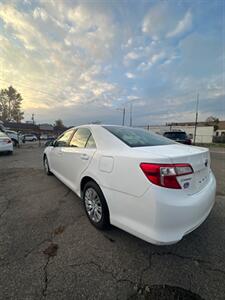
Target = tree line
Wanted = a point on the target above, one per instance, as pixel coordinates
(10, 105)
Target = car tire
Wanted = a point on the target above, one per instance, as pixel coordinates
(46, 166)
(15, 143)
(10, 152)
(95, 206)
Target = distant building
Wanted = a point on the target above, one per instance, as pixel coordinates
(204, 134)
(38, 130)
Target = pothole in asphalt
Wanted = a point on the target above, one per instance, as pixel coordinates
(164, 292)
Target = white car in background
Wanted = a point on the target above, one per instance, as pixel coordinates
(6, 144)
(30, 138)
(146, 184)
(14, 136)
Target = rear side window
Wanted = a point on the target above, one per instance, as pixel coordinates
(80, 138)
(135, 137)
(91, 142)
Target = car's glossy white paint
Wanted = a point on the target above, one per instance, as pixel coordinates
(156, 214)
(6, 144)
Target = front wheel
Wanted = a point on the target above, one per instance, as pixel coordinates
(95, 206)
(46, 166)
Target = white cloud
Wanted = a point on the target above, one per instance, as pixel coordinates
(155, 22)
(182, 27)
(157, 57)
(133, 97)
(130, 75)
(131, 56)
(40, 13)
(154, 59)
(22, 27)
(144, 66)
(92, 30)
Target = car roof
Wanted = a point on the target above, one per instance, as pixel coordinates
(103, 138)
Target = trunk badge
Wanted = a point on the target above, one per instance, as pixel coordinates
(186, 185)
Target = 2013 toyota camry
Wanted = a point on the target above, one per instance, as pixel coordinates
(146, 184)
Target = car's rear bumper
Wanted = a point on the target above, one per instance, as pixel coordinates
(6, 147)
(162, 216)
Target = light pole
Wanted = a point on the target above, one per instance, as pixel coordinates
(124, 113)
(131, 113)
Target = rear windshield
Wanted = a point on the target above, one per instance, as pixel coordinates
(175, 135)
(135, 137)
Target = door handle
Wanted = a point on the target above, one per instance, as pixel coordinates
(84, 156)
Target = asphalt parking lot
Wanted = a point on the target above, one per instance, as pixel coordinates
(49, 250)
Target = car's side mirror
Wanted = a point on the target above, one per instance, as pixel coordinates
(54, 143)
(51, 143)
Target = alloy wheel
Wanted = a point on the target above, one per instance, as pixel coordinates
(93, 205)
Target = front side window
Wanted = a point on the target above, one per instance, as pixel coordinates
(80, 138)
(135, 137)
(64, 139)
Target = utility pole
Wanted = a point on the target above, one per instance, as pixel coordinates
(124, 111)
(131, 117)
(196, 117)
(32, 118)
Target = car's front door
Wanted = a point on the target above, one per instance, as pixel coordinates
(56, 154)
(77, 156)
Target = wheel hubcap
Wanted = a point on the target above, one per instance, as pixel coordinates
(93, 205)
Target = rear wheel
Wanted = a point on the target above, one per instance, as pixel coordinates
(95, 206)
(46, 166)
(15, 143)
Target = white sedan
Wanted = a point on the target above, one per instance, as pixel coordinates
(146, 184)
(6, 144)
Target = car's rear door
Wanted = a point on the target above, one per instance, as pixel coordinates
(77, 156)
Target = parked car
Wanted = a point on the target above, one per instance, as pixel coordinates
(30, 138)
(6, 144)
(14, 136)
(139, 181)
(178, 136)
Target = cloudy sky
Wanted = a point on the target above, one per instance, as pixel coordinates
(83, 61)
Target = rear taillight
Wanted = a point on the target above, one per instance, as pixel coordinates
(8, 141)
(165, 175)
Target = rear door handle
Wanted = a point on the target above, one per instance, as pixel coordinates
(84, 156)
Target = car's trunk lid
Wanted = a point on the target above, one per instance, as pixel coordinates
(197, 157)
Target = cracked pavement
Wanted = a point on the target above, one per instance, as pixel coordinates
(49, 250)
